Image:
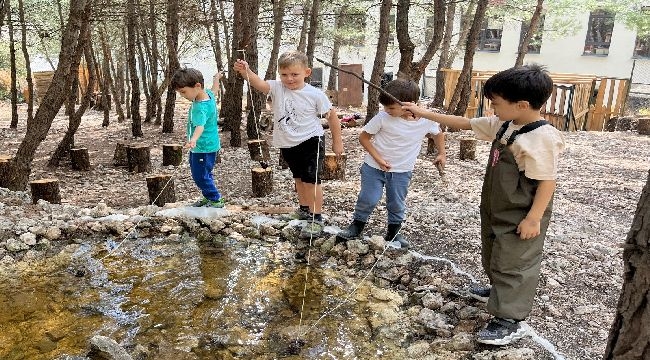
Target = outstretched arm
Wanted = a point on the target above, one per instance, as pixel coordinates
(457, 122)
(257, 82)
(215, 83)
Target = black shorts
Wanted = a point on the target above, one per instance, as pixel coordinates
(306, 159)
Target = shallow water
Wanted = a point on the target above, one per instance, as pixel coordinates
(176, 299)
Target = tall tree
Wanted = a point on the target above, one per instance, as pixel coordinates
(131, 24)
(28, 67)
(278, 16)
(12, 60)
(336, 47)
(629, 336)
(306, 10)
(313, 31)
(532, 28)
(106, 52)
(380, 57)
(172, 62)
(17, 171)
(460, 99)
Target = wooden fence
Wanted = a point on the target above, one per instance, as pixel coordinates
(578, 102)
(42, 80)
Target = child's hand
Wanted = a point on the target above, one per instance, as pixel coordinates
(337, 148)
(528, 228)
(440, 160)
(190, 144)
(241, 67)
(217, 76)
(383, 164)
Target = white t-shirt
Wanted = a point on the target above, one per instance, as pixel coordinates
(536, 152)
(297, 113)
(398, 141)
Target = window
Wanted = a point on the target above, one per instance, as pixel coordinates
(535, 43)
(490, 36)
(599, 32)
(642, 46)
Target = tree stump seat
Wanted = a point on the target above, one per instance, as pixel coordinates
(172, 154)
(467, 149)
(161, 189)
(259, 150)
(139, 158)
(262, 181)
(45, 189)
(79, 159)
(333, 167)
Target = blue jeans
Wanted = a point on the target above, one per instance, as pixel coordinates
(373, 182)
(201, 165)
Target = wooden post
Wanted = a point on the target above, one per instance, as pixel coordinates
(467, 149)
(139, 158)
(262, 181)
(172, 154)
(643, 128)
(334, 168)
(283, 163)
(259, 150)
(161, 189)
(119, 157)
(80, 159)
(45, 189)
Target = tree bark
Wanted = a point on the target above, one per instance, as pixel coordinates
(17, 174)
(155, 93)
(108, 74)
(256, 99)
(380, 57)
(278, 12)
(439, 97)
(460, 99)
(12, 60)
(140, 36)
(131, 24)
(172, 59)
(313, 32)
(226, 33)
(28, 67)
(629, 336)
(534, 22)
(336, 47)
(302, 43)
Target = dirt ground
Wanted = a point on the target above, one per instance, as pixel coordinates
(600, 180)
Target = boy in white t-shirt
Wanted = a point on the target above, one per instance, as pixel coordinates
(297, 112)
(517, 195)
(392, 140)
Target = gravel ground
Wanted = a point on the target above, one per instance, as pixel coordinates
(600, 180)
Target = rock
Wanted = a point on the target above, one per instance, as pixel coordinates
(28, 239)
(14, 245)
(52, 233)
(357, 247)
(103, 347)
(432, 301)
(468, 312)
(418, 349)
(433, 320)
(515, 354)
(386, 295)
(376, 242)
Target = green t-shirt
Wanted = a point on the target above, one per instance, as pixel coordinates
(204, 113)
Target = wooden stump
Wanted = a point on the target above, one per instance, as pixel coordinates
(643, 127)
(80, 159)
(334, 168)
(161, 189)
(45, 189)
(172, 154)
(283, 163)
(262, 181)
(119, 157)
(259, 150)
(4, 163)
(467, 149)
(139, 158)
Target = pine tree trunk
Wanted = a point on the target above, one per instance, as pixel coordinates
(172, 63)
(417, 69)
(148, 115)
(256, 99)
(629, 336)
(131, 23)
(380, 58)
(534, 22)
(336, 47)
(278, 12)
(17, 171)
(302, 43)
(406, 46)
(155, 93)
(460, 99)
(313, 33)
(12, 60)
(28, 66)
(109, 79)
(439, 97)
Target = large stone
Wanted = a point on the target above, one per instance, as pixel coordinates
(102, 347)
(14, 245)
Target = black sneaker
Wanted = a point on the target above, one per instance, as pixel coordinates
(399, 241)
(351, 232)
(479, 292)
(502, 332)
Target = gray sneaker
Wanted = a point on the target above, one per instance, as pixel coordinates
(502, 332)
(299, 214)
(479, 292)
(313, 229)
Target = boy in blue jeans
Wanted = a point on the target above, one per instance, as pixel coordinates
(202, 132)
(517, 195)
(392, 140)
(297, 112)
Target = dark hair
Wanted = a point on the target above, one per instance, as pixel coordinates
(403, 90)
(528, 83)
(186, 77)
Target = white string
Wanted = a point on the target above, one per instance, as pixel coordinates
(256, 118)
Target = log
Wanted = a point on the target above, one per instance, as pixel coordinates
(334, 167)
(45, 189)
(283, 163)
(139, 158)
(643, 127)
(259, 150)
(4, 163)
(119, 157)
(161, 189)
(172, 154)
(467, 149)
(79, 159)
(262, 181)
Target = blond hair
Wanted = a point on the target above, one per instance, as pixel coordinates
(292, 57)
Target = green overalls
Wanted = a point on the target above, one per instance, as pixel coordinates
(511, 264)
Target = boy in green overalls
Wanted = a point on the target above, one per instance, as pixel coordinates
(517, 194)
